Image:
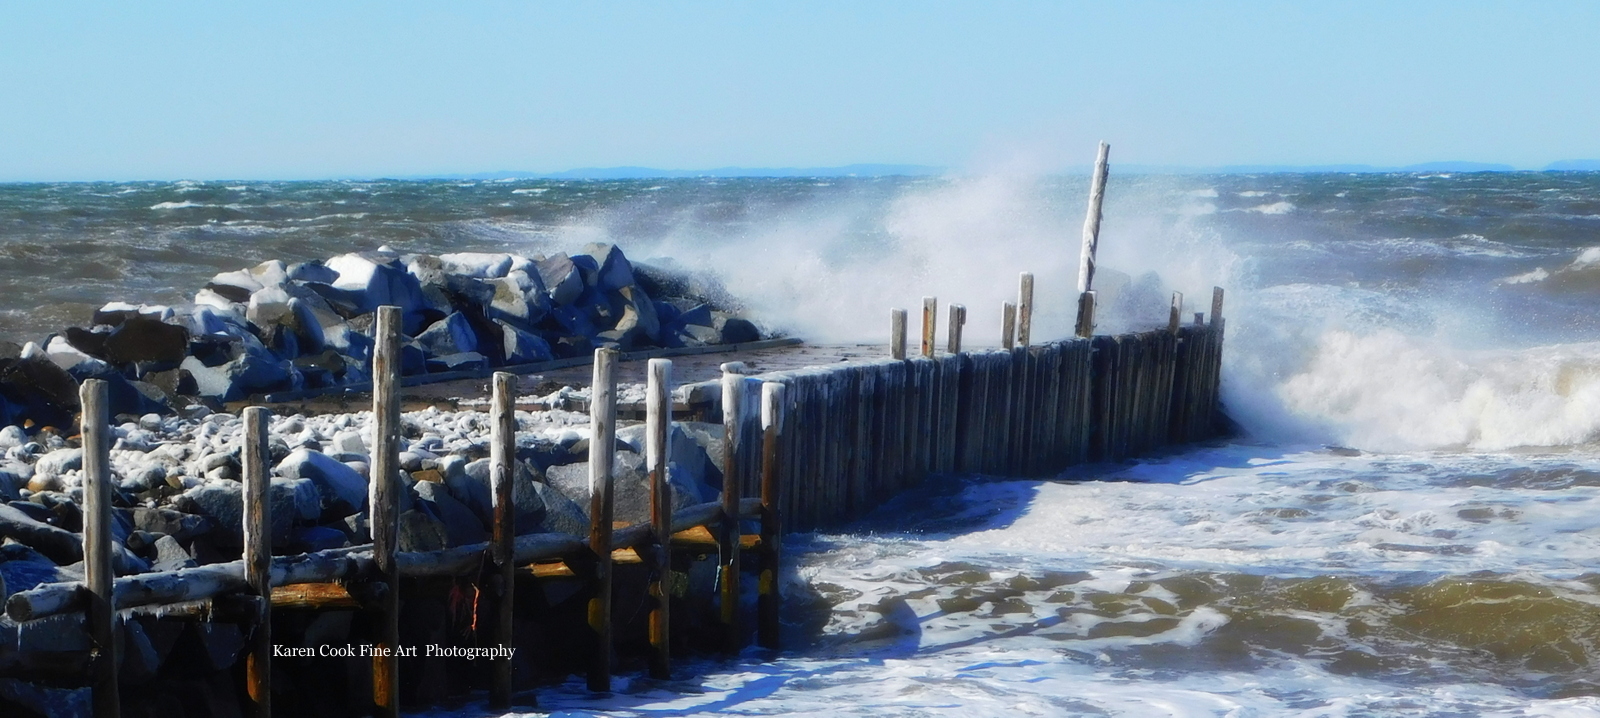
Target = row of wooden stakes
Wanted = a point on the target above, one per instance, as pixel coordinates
(250, 583)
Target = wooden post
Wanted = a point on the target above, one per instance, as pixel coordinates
(258, 558)
(1008, 325)
(770, 600)
(958, 319)
(502, 473)
(602, 452)
(1086, 314)
(658, 453)
(94, 425)
(1199, 319)
(897, 333)
(733, 405)
(1091, 223)
(1025, 309)
(1216, 305)
(1175, 319)
(383, 506)
(930, 320)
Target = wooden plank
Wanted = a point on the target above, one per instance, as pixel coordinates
(314, 596)
(258, 560)
(502, 472)
(1025, 309)
(383, 504)
(602, 507)
(94, 428)
(734, 387)
(658, 454)
(769, 602)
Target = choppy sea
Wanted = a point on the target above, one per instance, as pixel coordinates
(1409, 523)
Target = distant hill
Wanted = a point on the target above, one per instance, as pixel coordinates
(1574, 166)
(608, 173)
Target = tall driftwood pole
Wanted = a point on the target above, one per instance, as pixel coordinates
(258, 558)
(1008, 325)
(602, 451)
(94, 426)
(658, 454)
(930, 322)
(1091, 240)
(383, 506)
(502, 472)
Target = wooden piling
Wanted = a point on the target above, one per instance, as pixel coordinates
(94, 426)
(1091, 222)
(1008, 325)
(1025, 309)
(1216, 305)
(502, 473)
(602, 452)
(958, 319)
(258, 559)
(383, 505)
(733, 419)
(1175, 319)
(930, 320)
(897, 333)
(1085, 324)
(769, 606)
(1199, 318)
(658, 453)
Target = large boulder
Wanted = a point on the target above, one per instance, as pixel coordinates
(451, 335)
(519, 298)
(35, 388)
(476, 264)
(561, 279)
(613, 271)
(376, 279)
(462, 525)
(522, 347)
(343, 489)
(630, 486)
(143, 339)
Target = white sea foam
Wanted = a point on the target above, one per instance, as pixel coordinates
(1273, 208)
(177, 205)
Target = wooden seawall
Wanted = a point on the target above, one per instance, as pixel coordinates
(858, 433)
(804, 449)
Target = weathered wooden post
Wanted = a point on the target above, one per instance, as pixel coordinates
(1086, 302)
(502, 474)
(258, 558)
(1216, 305)
(1091, 240)
(94, 426)
(1008, 325)
(733, 447)
(383, 507)
(1025, 309)
(1175, 319)
(958, 319)
(658, 453)
(602, 452)
(1199, 319)
(930, 320)
(897, 333)
(770, 599)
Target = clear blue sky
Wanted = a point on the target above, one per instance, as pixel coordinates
(305, 90)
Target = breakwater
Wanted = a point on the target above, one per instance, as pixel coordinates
(654, 573)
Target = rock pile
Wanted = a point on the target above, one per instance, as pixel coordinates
(282, 327)
(178, 503)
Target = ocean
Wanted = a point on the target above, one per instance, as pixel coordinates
(1404, 525)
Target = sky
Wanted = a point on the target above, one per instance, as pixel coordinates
(285, 90)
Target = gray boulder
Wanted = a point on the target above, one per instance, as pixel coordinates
(463, 526)
(342, 488)
(561, 279)
(450, 335)
(522, 347)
